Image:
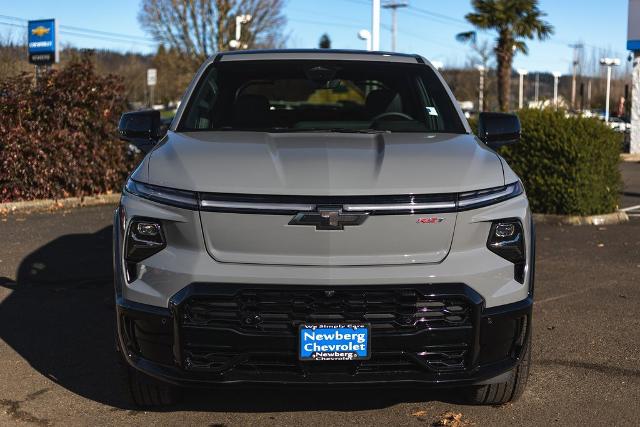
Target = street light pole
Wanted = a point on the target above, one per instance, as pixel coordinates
(522, 73)
(481, 69)
(608, 62)
(240, 20)
(375, 24)
(556, 76)
(366, 36)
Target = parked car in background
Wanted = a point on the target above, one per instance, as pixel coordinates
(618, 124)
(323, 217)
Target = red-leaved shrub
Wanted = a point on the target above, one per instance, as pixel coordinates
(58, 138)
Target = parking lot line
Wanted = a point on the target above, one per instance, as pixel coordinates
(630, 208)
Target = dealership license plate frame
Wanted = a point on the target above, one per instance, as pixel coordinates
(356, 326)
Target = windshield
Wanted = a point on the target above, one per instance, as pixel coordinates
(339, 96)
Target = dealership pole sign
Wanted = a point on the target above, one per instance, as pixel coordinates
(43, 42)
(633, 44)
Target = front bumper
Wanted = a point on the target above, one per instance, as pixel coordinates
(210, 335)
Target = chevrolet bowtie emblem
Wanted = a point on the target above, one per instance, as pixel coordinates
(329, 218)
(40, 31)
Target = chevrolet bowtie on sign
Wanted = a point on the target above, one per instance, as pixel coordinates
(42, 42)
(40, 31)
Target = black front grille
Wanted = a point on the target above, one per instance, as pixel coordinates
(243, 328)
(281, 311)
(189, 340)
(436, 358)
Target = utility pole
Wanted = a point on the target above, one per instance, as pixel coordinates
(375, 25)
(394, 5)
(537, 91)
(576, 47)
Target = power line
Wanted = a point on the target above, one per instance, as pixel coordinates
(89, 32)
(86, 36)
(439, 16)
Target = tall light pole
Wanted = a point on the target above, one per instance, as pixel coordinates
(481, 69)
(375, 24)
(576, 47)
(608, 62)
(240, 20)
(556, 76)
(394, 5)
(522, 73)
(537, 92)
(366, 36)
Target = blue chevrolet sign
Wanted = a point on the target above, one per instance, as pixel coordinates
(42, 42)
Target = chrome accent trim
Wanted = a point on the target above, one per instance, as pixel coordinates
(257, 206)
(286, 205)
(399, 207)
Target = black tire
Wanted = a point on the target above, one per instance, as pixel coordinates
(510, 391)
(144, 391)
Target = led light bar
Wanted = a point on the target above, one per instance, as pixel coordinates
(282, 205)
(169, 196)
(476, 199)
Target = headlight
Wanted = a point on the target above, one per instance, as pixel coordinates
(506, 239)
(169, 196)
(144, 238)
(489, 196)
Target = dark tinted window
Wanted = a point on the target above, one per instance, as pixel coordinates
(320, 95)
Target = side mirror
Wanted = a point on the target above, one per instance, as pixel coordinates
(498, 129)
(140, 128)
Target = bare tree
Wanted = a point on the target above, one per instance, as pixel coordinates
(199, 28)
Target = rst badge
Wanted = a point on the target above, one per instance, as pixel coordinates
(430, 220)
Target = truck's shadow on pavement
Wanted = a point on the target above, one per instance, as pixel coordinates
(59, 318)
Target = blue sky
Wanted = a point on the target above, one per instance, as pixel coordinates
(428, 28)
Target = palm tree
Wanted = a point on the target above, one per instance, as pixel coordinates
(514, 21)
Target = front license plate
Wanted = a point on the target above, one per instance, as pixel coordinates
(334, 341)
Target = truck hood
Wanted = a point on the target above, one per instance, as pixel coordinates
(321, 164)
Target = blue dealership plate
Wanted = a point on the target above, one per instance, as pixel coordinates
(340, 341)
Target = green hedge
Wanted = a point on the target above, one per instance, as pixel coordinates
(569, 165)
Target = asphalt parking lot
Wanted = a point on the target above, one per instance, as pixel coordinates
(57, 362)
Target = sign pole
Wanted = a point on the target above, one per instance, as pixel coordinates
(633, 44)
(42, 45)
(634, 146)
(152, 80)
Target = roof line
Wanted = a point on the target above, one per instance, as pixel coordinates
(329, 51)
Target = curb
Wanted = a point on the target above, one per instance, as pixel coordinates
(47, 205)
(626, 157)
(617, 217)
